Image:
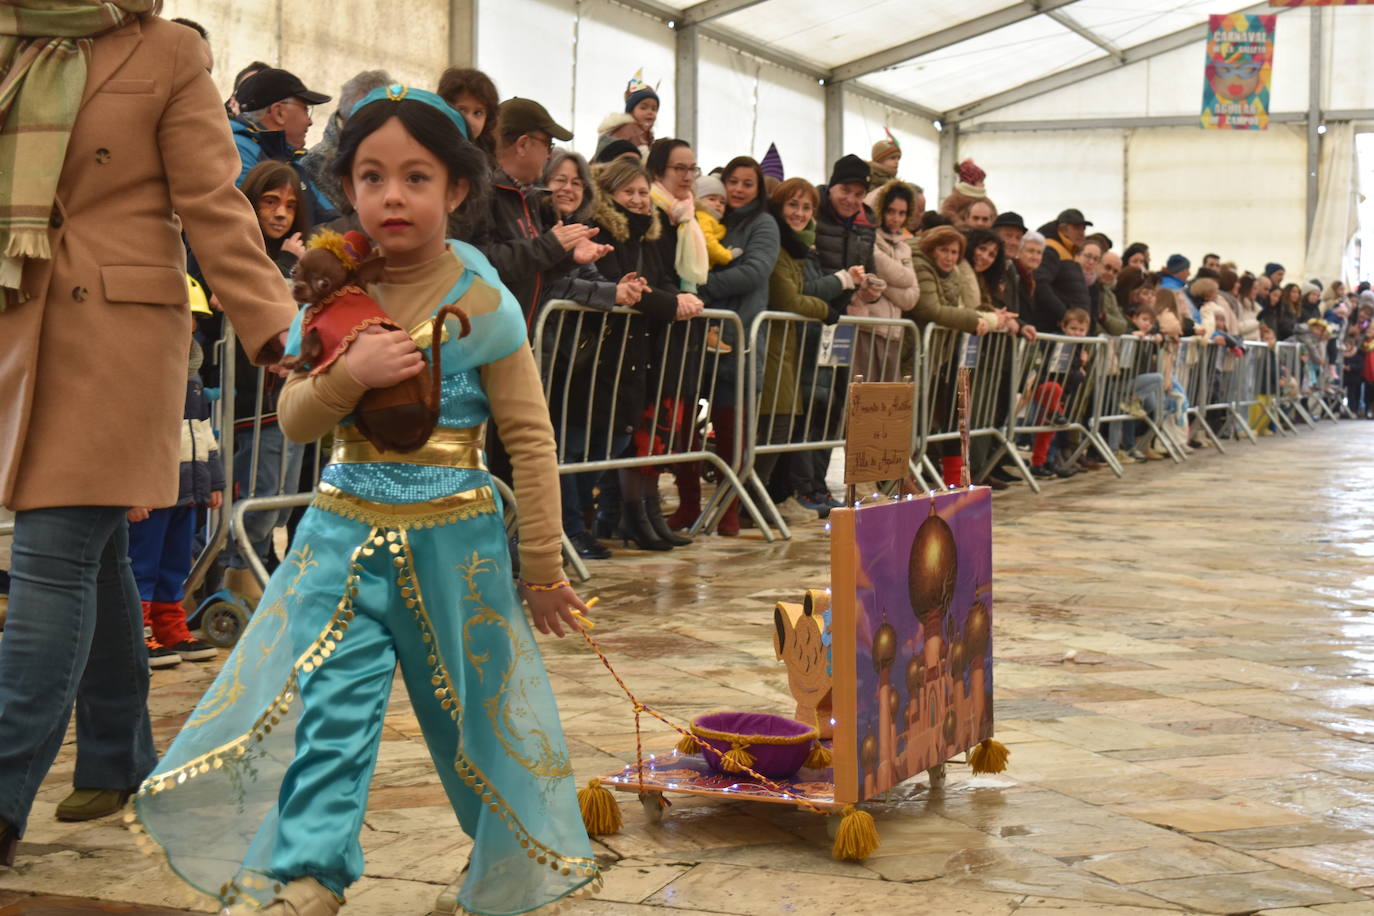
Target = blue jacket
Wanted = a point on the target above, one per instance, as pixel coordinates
(255, 145)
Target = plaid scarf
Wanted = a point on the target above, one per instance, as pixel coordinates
(44, 49)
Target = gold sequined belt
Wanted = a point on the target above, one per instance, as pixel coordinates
(448, 446)
(428, 514)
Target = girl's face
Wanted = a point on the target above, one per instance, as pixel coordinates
(1313, 297)
(947, 256)
(646, 113)
(681, 172)
(402, 194)
(983, 256)
(633, 196)
(473, 111)
(1032, 253)
(894, 217)
(1144, 297)
(566, 189)
(798, 211)
(741, 187)
(277, 211)
(1139, 259)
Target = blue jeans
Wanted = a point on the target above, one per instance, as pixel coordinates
(275, 452)
(160, 553)
(1148, 387)
(74, 636)
(578, 490)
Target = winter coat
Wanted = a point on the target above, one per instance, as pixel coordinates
(318, 164)
(202, 469)
(787, 293)
(940, 298)
(842, 244)
(256, 145)
(892, 263)
(1247, 316)
(1106, 313)
(620, 125)
(516, 240)
(1059, 282)
(93, 360)
(742, 287)
(632, 237)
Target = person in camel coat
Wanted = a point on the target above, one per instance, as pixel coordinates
(93, 375)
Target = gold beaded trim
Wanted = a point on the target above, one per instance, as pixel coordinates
(409, 584)
(482, 787)
(431, 514)
(551, 587)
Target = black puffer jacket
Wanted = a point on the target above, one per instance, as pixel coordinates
(840, 244)
(1059, 283)
(633, 239)
(515, 239)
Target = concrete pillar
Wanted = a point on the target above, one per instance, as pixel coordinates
(462, 33)
(949, 159)
(1315, 69)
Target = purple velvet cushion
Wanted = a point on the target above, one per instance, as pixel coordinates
(775, 761)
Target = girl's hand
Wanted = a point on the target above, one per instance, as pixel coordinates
(550, 609)
(294, 245)
(380, 358)
(216, 499)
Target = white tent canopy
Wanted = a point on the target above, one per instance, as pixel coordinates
(1087, 103)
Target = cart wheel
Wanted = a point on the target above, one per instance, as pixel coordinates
(223, 623)
(937, 776)
(652, 802)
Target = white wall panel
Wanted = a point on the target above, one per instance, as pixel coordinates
(612, 43)
(1239, 193)
(864, 121)
(526, 47)
(791, 113)
(727, 103)
(1039, 173)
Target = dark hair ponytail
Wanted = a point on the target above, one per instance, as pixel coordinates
(437, 133)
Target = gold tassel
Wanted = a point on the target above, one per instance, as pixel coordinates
(689, 745)
(736, 760)
(988, 757)
(600, 812)
(820, 757)
(857, 837)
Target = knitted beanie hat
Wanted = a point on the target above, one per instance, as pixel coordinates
(707, 185)
(886, 147)
(636, 91)
(970, 183)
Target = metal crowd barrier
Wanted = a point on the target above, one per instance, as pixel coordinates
(1290, 394)
(1260, 385)
(1205, 384)
(798, 374)
(1059, 389)
(1130, 366)
(581, 353)
(993, 361)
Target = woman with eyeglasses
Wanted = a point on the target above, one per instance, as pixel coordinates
(740, 287)
(573, 344)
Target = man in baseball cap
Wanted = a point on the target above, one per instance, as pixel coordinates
(275, 111)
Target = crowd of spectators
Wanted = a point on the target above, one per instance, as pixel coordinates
(643, 226)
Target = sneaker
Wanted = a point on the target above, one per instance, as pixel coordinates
(193, 650)
(159, 656)
(1041, 471)
(831, 501)
(816, 504)
(793, 512)
(1137, 456)
(1134, 408)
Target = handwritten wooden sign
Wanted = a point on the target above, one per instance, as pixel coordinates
(878, 436)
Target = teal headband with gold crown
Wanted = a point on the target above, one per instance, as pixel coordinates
(397, 92)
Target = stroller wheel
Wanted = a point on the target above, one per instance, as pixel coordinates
(223, 623)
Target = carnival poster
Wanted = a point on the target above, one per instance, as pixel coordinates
(1240, 59)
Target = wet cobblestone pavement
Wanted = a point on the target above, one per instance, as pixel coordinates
(1185, 677)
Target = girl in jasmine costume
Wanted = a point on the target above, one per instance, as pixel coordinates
(403, 558)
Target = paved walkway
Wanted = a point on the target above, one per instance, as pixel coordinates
(1185, 676)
